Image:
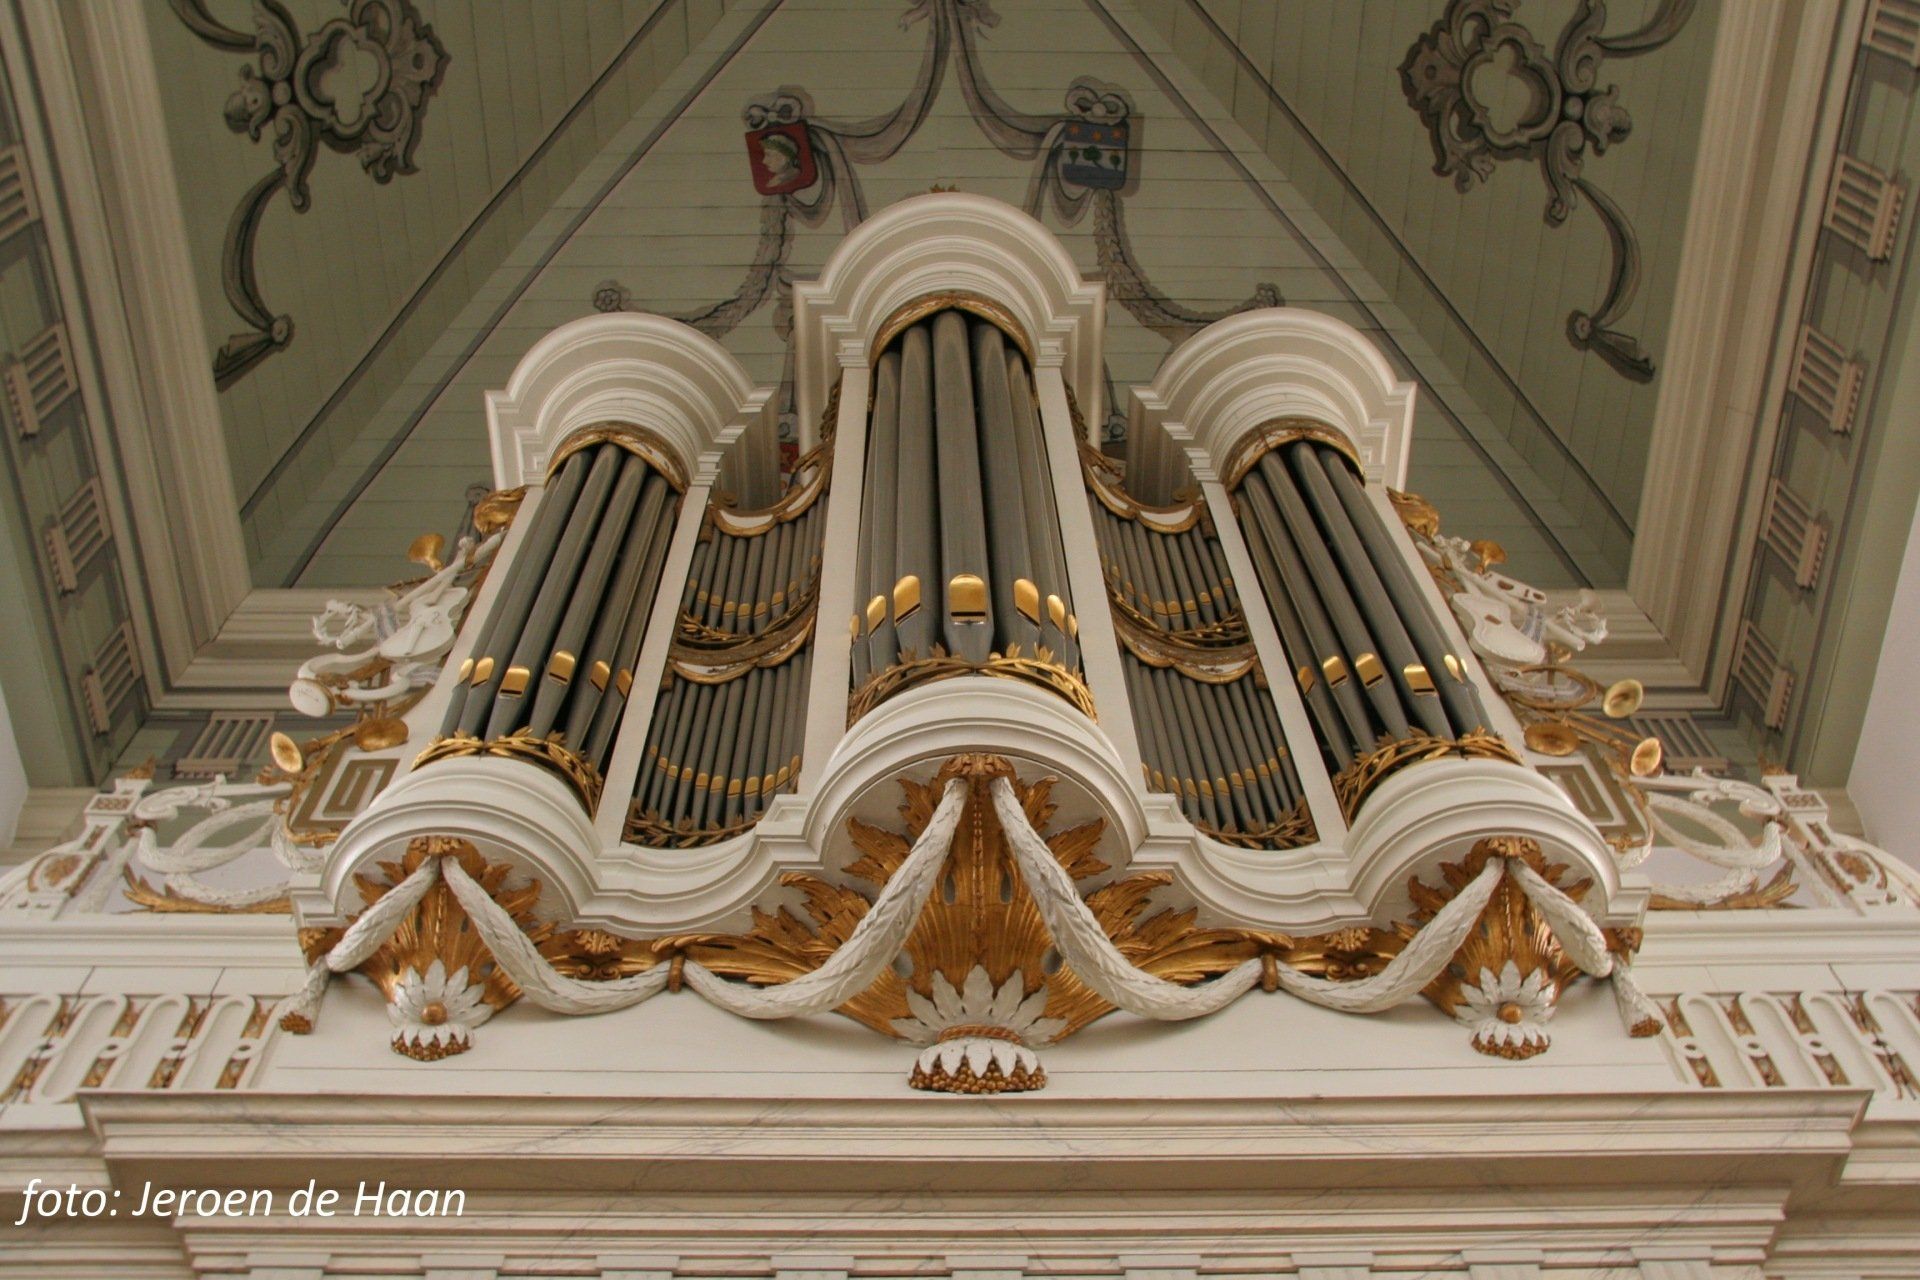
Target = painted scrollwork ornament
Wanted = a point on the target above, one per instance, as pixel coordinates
(1447, 76)
(359, 84)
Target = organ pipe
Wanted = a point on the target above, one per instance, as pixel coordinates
(1209, 733)
(731, 714)
(1380, 682)
(553, 660)
(961, 569)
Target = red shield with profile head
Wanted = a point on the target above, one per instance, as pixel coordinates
(781, 156)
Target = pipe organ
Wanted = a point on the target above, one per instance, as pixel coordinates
(554, 658)
(1270, 724)
(728, 724)
(1376, 672)
(958, 567)
(1209, 732)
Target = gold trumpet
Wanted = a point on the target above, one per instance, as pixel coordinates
(1562, 729)
(287, 755)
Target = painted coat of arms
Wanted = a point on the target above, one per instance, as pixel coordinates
(1093, 153)
(781, 156)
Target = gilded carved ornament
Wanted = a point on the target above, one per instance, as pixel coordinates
(549, 753)
(388, 659)
(439, 978)
(1770, 841)
(1506, 980)
(985, 979)
(1042, 669)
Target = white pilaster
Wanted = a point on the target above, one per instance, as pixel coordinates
(1099, 646)
(839, 553)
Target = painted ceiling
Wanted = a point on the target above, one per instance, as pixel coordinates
(436, 185)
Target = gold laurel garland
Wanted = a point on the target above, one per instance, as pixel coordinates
(1353, 784)
(522, 744)
(1041, 669)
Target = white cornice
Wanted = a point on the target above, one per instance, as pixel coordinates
(1242, 372)
(940, 243)
(622, 367)
(1811, 939)
(1754, 214)
(153, 943)
(1775, 1137)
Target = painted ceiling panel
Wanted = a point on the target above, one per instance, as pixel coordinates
(363, 253)
(579, 155)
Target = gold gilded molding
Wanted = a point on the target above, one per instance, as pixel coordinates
(1210, 664)
(1353, 784)
(1226, 633)
(1042, 669)
(712, 657)
(1772, 894)
(1108, 487)
(548, 752)
(919, 309)
(1291, 832)
(1415, 512)
(164, 900)
(497, 510)
(810, 480)
(635, 439)
(1268, 436)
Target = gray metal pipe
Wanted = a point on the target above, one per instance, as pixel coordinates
(1462, 700)
(1369, 593)
(1335, 594)
(501, 631)
(1295, 606)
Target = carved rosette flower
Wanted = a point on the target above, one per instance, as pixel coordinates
(434, 1013)
(1507, 1012)
(977, 1038)
(1508, 975)
(611, 295)
(439, 977)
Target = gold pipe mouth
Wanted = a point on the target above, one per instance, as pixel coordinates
(919, 309)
